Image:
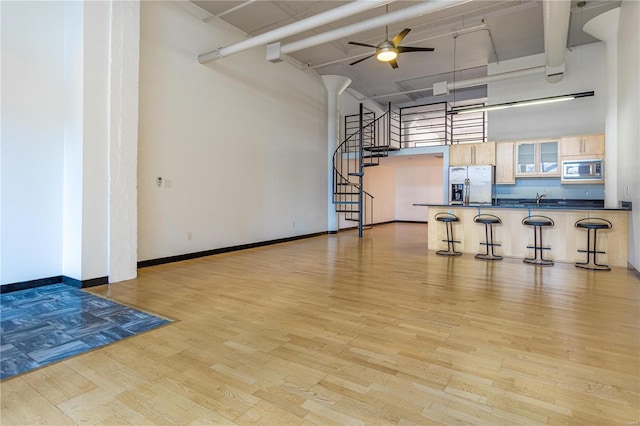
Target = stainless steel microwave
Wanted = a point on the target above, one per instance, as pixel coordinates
(582, 170)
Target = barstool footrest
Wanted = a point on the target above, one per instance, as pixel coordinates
(591, 251)
(450, 241)
(539, 248)
(491, 244)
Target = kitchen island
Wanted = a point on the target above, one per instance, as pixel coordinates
(563, 239)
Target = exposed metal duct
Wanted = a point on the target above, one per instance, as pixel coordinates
(556, 15)
(481, 81)
(386, 19)
(292, 29)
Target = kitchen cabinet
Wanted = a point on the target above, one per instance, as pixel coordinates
(469, 154)
(505, 162)
(537, 158)
(585, 146)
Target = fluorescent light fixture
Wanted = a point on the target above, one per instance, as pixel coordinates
(515, 104)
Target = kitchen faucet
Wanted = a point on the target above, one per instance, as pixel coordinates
(539, 197)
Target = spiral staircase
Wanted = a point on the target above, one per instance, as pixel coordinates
(372, 140)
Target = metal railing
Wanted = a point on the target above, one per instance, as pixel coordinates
(433, 124)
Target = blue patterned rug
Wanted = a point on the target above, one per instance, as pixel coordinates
(43, 325)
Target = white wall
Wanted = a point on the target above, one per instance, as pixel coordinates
(585, 71)
(628, 122)
(55, 139)
(32, 134)
(422, 184)
(380, 181)
(242, 140)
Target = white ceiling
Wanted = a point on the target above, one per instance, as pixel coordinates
(514, 28)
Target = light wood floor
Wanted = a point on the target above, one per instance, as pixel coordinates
(337, 330)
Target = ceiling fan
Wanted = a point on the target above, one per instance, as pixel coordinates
(388, 50)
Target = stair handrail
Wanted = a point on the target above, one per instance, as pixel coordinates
(359, 133)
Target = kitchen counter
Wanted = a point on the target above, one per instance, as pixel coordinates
(543, 205)
(564, 239)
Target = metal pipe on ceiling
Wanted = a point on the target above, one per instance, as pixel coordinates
(386, 19)
(481, 81)
(555, 15)
(292, 29)
(226, 12)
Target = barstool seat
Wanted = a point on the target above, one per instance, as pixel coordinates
(592, 224)
(488, 220)
(448, 219)
(538, 222)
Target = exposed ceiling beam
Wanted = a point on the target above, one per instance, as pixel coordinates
(292, 29)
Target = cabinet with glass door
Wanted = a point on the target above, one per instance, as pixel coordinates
(537, 158)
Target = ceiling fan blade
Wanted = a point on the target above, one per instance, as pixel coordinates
(393, 64)
(402, 49)
(360, 60)
(401, 35)
(361, 44)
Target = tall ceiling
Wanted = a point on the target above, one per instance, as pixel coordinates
(466, 37)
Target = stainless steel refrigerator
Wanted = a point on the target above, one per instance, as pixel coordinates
(472, 184)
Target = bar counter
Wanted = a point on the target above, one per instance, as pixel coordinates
(563, 239)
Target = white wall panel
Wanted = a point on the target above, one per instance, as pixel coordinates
(240, 142)
(418, 185)
(32, 134)
(380, 181)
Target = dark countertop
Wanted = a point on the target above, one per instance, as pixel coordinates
(552, 204)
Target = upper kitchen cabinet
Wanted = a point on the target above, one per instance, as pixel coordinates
(585, 146)
(537, 158)
(469, 154)
(505, 162)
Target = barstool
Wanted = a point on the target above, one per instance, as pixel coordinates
(448, 219)
(592, 224)
(488, 220)
(538, 222)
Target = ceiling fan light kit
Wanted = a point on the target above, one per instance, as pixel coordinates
(386, 52)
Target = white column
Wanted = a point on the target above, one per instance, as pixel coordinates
(123, 140)
(335, 84)
(605, 28)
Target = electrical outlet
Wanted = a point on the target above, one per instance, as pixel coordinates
(189, 236)
(159, 182)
